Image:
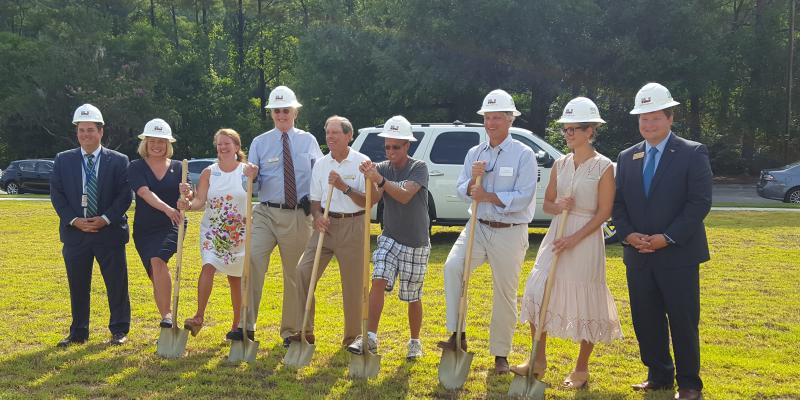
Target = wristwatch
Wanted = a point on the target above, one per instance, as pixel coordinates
(348, 190)
(383, 182)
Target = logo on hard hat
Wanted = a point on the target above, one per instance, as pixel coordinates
(158, 128)
(568, 111)
(491, 101)
(84, 113)
(646, 100)
(278, 97)
(394, 128)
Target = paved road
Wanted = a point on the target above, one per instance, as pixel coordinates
(737, 193)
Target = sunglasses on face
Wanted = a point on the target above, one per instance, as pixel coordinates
(280, 110)
(393, 147)
(571, 130)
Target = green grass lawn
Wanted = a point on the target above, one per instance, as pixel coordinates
(750, 326)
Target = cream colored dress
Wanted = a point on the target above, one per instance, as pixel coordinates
(581, 306)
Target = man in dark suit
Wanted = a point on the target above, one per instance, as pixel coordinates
(89, 191)
(663, 195)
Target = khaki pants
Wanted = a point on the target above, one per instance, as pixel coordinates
(289, 230)
(504, 248)
(345, 240)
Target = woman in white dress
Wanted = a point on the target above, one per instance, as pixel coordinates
(222, 193)
(581, 307)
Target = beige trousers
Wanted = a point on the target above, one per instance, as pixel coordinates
(289, 230)
(345, 240)
(505, 249)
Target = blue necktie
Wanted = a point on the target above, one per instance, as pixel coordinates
(91, 187)
(649, 170)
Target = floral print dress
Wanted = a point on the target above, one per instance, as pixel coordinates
(222, 231)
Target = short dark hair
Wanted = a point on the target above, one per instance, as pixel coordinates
(669, 112)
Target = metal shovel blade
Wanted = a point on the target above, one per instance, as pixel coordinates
(299, 354)
(365, 366)
(172, 342)
(454, 368)
(243, 350)
(531, 388)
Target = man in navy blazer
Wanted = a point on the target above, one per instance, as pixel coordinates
(663, 195)
(89, 191)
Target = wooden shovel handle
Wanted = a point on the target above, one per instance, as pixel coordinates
(462, 302)
(179, 253)
(313, 284)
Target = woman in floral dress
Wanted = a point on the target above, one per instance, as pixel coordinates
(222, 193)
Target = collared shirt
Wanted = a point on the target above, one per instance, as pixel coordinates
(85, 163)
(511, 173)
(266, 151)
(348, 170)
(661, 146)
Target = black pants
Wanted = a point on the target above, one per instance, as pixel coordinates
(114, 268)
(666, 301)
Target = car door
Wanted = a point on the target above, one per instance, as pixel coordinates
(447, 153)
(27, 176)
(41, 181)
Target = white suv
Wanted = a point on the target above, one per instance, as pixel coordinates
(443, 146)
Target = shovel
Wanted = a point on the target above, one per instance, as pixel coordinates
(365, 365)
(300, 353)
(172, 341)
(246, 349)
(528, 386)
(454, 365)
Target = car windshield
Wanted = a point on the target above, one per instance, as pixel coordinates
(792, 165)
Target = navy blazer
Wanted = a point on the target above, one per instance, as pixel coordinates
(66, 189)
(680, 198)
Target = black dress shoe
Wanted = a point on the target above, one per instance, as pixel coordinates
(237, 335)
(500, 365)
(647, 386)
(118, 338)
(450, 344)
(689, 394)
(286, 342)
(69, 340)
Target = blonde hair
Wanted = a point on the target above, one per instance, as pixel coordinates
(237, 140)
(142, 149)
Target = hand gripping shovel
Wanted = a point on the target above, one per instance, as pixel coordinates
(172, 341)
(455, 364)
(365, 365)
(300, 353)
(528, 386)
(246, 349)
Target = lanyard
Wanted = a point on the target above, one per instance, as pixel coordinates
(489, 168)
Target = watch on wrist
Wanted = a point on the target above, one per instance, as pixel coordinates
(383, 182)
(348, 190)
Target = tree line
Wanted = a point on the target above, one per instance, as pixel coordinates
(206, 64)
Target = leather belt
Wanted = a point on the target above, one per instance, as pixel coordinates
(278, 205)
(332, 214)
(495, 224)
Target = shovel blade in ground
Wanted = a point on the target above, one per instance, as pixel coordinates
(243, 350)
(531, 388)
(172, 342)
(299, 354)
(365, 365)
(454, 368)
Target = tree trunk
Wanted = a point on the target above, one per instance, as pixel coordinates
(153, 13)
(262, 93)
(542, 95)
(240, 40)
(175, 25)
(694, 117)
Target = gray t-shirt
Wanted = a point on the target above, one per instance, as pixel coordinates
(407, 223)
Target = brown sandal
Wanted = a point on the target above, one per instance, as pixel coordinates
(193, 325)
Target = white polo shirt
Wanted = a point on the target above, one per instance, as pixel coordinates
(348, 170)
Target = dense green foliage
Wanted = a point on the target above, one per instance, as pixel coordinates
(206, 64)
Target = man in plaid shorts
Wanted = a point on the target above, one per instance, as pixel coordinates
(404, 244)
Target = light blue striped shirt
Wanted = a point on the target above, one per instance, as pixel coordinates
(266, 151)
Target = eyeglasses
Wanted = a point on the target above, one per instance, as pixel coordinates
(281, 110)
(571, 130)
(393, 147)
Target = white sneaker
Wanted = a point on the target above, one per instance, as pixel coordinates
(414, 349)
(357, 345)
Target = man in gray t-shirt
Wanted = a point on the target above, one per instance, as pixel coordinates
(404, 244)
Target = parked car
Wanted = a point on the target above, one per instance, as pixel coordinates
(32, 176)
(196, 166)
(444, 146)
(780, 183)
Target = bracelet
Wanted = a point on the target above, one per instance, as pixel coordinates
(348, 190)
(383, 182)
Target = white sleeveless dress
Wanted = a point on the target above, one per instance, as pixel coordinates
(581, 306)
(222, 231)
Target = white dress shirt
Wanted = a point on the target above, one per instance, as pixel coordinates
(348, 170)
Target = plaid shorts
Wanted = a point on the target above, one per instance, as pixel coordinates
(410, 263)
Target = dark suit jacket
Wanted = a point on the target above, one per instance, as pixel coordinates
(66, 189)
(680, 198)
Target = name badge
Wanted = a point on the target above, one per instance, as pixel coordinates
(506, 171)
(216, 173)
(638, 155)
(273, 160)
(84, 200)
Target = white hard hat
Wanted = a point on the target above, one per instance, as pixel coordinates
(157, 128)
(580, 109)
(398, 127)
(498, 100)
(652, 97)
(87, 113)
(282, 97)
